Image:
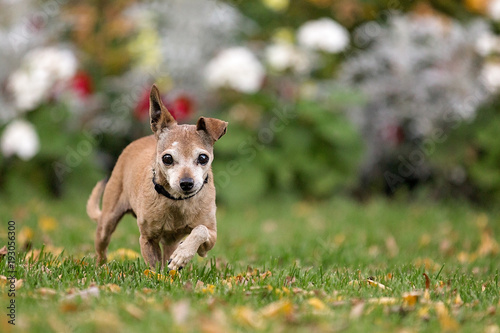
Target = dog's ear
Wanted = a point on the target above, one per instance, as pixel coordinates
(158, 113)
(215, 128)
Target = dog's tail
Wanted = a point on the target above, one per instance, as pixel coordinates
(93, 210)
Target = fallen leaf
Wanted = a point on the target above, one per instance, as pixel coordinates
(46, 291)
(488, 245)
(427, 281)
(18, 284)
(410, 299)
(134, 311)
(277, 308)
(114, 288)
(25, 237)
(3, 252)
(180, 311)
(84, 294)
(316, 303)
(123, 254)
(208, 289)
(357, 310)
(445, 320)
(457, 301)
(46, 223)
(383, 300)
(247, 317)
(376, 284)
(392, 246)
(492, 329)
(68, 306)
(289, 280)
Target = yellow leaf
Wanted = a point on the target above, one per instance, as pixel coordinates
(208, 289)
(46, 223)
(411, 298)
(377, 284)
(18, 284)
(383, 300)
(447, 323)
(488, 245)
(316, 303)
(278, 308)
(134, 311)
(46, 291)
(113, 287)
(423, 313)
(25, 236)
(180, 311)
(123, 254)
(458, 300)
(247, 317)
(158, 276)
(357, 310)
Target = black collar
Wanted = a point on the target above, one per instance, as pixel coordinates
(161, 190)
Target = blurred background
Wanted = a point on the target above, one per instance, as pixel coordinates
(354, 98)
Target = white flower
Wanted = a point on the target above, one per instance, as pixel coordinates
(491, 76)
(235, 68)
(324, 34)
(20, 138)
(40, 71)
(487, 44)
(494, 9)
(282, 56)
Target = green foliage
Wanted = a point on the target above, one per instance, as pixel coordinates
(473, 147)
(306, 149)
(64, 162)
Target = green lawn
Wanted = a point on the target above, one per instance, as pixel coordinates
(278, 266)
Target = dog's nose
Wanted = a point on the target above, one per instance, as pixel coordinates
(187, 184)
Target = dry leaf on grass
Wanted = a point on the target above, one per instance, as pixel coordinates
(3, 252)
(247, 317)
(316, 303)
(123, 254)
(114, 288)
(134, 311)
(411, 298)
(447, 322)
(180, 311)
(277, 308)
(357, 310)
(84, 294)
(46, 291)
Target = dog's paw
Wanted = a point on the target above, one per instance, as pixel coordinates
(179, 259)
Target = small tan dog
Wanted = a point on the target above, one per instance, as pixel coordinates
(166, 181)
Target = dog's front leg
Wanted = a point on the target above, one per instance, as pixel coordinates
(150, 250)
(200, 240)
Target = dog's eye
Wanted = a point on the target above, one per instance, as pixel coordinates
(203, 159)
(167, 159)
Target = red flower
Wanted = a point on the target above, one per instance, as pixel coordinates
(180, 107)
(82, 84)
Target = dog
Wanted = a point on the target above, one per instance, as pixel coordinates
(165, 180)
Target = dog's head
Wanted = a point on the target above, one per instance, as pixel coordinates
(184, 153)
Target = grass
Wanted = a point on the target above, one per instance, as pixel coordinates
(278, 265)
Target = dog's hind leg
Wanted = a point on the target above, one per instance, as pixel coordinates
(106, 225)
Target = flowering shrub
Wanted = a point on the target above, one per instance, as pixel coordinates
(291, 77)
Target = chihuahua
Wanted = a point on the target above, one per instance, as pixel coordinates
(165, 180)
